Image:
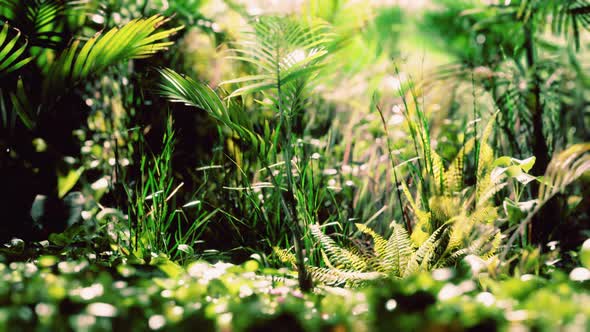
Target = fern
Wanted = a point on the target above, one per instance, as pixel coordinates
(398, 251)
(395, 257)
(339, 257)
(423, 256)
(336, 276)
(285, 256)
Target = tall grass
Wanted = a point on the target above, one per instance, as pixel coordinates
(157, 222)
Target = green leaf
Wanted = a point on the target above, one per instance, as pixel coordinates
(186, 249)
(11, 52)
(171, 269)
(135, 40)
(66, 183)
(585, 254)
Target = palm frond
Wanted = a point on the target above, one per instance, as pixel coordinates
(12, 50)
(40, 20)
(568, 16)
(564, 169)
(283, 50)
(178, 88)
(22, 106)
(135, 40)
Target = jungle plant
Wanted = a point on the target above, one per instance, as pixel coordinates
(44, 62)
(528, 59)
(287, 54)
(156, 224)
(564, 168)
(450, 219)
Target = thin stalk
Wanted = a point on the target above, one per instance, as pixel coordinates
(542, 224)
(477, 142)
(288, 201)
(393, 167)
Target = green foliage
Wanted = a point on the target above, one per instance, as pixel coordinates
(287, 54)
(136, 40)
(190, 92)
(42, 21)
(156, 224)
(394, 257)
(10, 56)
(284, 51)
(565, 168)
(221, 296)
(408, 208)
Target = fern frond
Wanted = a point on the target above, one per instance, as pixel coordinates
(337, 276)
(379, 241)
(422, 227)
(398, 251)
(485, 161)
(484, 246)
(494, 245)
(425, 251)
(438, 170)
(461, 226)
(339, 257)
(453, 177)
(484, 215)
(285, 256)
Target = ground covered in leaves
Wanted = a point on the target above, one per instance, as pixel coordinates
(94, 294)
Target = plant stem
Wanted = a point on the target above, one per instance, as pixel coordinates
(288, 198)
(542, 224)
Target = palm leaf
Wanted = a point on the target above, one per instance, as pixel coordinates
(564, 169)
(12, 49)
(178, 88)
(135, 40)
(568, 16)
(283, 50)
(40, 20)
